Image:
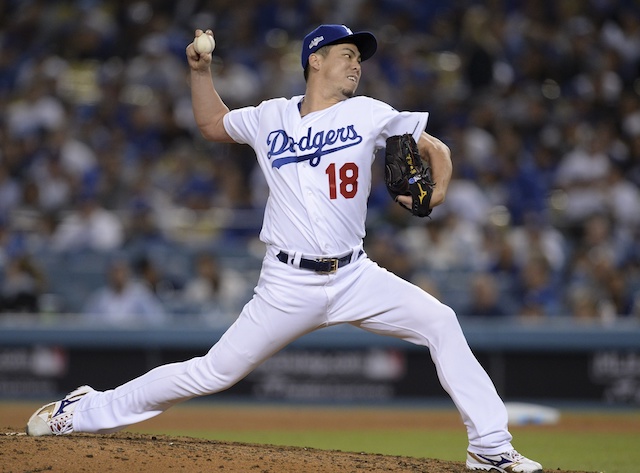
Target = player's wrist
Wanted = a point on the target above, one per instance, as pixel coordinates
(201, 71)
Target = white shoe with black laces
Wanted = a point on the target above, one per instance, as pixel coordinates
(56, 418)
(507, 462)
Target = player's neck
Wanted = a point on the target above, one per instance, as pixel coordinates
(311, 103)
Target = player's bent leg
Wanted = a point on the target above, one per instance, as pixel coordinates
(416, 316)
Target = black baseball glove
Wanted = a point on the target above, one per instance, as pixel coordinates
(406, 174)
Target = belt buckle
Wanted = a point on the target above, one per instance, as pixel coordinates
(333, 267)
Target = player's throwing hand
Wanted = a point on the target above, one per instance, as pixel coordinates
(199, 51)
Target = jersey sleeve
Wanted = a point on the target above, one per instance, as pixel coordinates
(242, 124)
(392, 122)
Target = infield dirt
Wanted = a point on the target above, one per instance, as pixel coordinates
(134, 451)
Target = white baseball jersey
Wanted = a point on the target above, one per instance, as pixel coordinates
(318, 167)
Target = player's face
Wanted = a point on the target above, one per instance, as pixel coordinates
(342, 68)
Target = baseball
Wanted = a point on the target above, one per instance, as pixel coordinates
(204, 44)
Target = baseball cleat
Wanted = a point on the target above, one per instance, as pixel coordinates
(56, 417)
(507, 462)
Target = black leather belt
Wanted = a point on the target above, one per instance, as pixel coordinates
(320, 265)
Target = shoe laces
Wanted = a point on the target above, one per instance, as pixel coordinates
(61, 424)
(514, 456)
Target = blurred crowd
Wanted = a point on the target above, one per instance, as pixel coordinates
(539, 102)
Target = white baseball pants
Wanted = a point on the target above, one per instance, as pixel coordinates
(290, 302)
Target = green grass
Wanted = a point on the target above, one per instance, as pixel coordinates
(592, 452)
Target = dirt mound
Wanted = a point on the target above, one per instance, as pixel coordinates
(131, 452)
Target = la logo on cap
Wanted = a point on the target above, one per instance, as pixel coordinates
(315, 41)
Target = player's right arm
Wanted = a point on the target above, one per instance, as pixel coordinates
(208, 108)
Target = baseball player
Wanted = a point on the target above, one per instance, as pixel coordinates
(316, 152)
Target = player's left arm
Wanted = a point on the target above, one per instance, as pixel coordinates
(438, 156)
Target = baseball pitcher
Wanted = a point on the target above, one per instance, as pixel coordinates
(316, 152)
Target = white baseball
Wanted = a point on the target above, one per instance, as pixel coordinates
(204, 44)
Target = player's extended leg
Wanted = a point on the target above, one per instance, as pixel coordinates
(272, 319)
(394, 307)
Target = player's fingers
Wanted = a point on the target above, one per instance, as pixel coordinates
(191, 51)
(193, 57)
(405, 201)
(198, 61)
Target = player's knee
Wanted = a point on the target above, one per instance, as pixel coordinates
(447, 318)
(210, 376)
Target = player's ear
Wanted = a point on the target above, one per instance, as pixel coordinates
(314, 61)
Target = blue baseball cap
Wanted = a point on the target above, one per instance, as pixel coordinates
(324, 35)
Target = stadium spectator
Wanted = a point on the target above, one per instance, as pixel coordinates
(123, 300)
(88, 226)
(35, 109)
(448, 242)
(582, 173)
(154, 277)
(583, 305)
(536, 237)
(623, 199)
(10, 191)
(538, 291)
(214, 290)
(22, 285)
(54, 186)
(486, 298)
